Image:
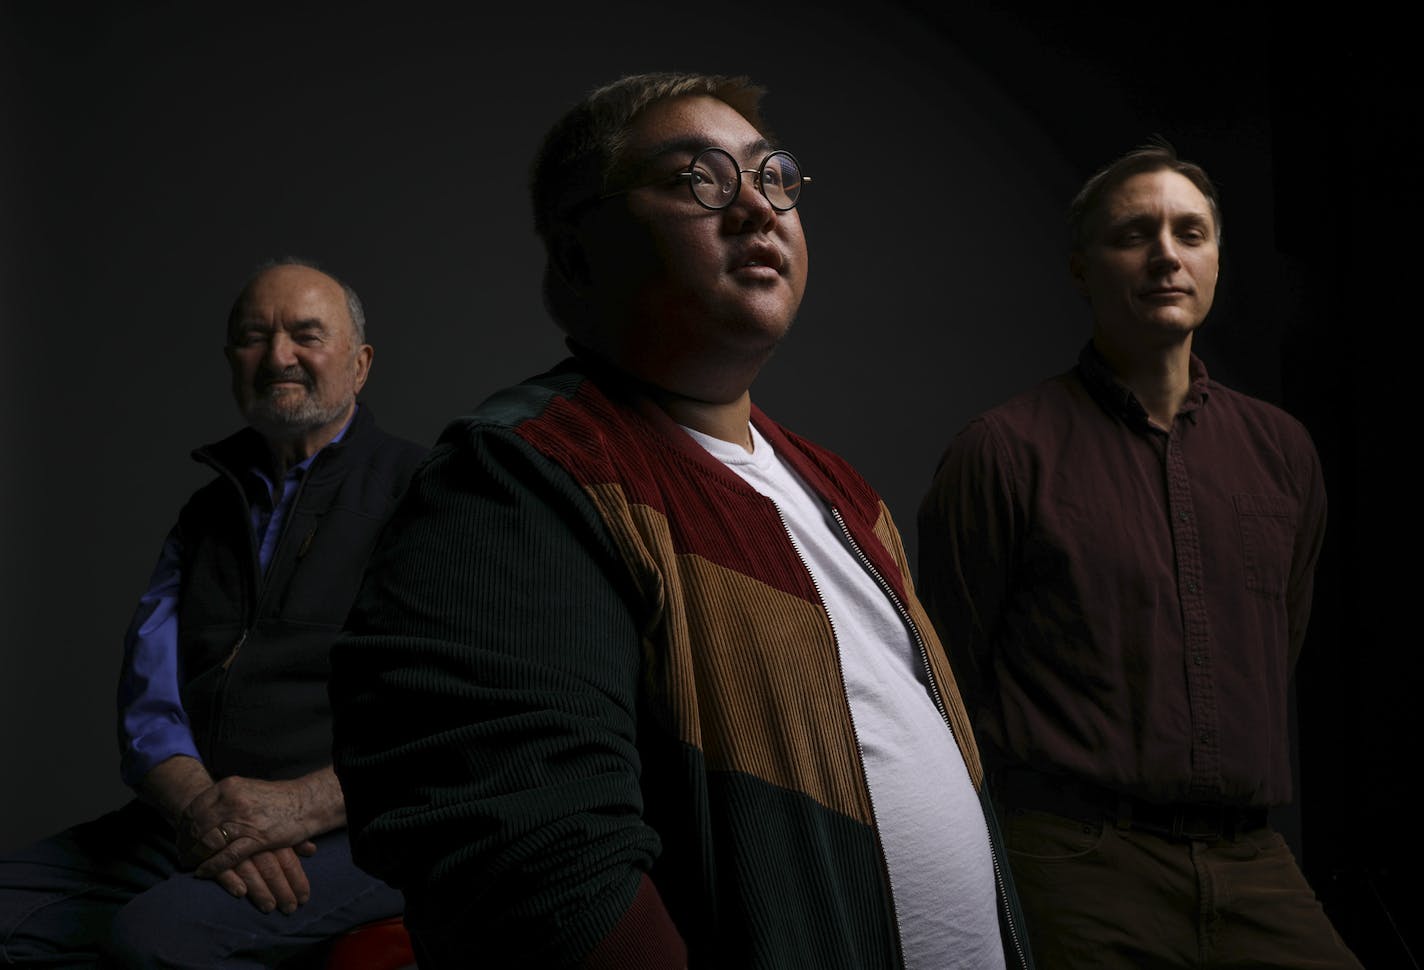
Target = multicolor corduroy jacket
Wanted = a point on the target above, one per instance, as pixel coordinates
(589, 708)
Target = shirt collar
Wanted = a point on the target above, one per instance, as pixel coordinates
(1116, 397)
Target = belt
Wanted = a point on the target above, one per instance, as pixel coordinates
(1187, 821)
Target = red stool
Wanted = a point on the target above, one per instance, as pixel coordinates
(382, 945)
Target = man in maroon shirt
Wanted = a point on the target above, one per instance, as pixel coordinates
(1119, 563)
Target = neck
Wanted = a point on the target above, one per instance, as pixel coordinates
(714, 400)
(1159, 377)
(728, 421)
(288, 451)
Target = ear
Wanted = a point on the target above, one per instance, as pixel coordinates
(364, 355)
(1078, 270)
(568, 259)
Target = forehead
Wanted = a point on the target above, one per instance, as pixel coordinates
(692, 121)
(285, 295)
(1163, 193)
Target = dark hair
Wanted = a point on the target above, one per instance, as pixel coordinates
(353, 302)
(1155, 156)
(582, 151)
(584, 146)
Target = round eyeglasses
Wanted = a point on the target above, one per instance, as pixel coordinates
(715, 178)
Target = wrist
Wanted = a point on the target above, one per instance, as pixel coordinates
(321, 807)
(171, 785)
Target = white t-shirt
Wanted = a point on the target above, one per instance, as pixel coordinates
(928, 816)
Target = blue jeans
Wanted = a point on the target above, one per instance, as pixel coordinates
(109, 892)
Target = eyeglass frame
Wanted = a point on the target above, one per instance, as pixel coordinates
(758, 172)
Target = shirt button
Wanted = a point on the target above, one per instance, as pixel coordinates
(1182, 516)
(1198, 659)
(1191, 587)
(1204, 737)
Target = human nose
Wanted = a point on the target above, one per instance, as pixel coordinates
(751, 209)
(280, 352)
(1164, 251)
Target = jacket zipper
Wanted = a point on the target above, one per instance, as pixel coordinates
(860, 751)
(939, 705)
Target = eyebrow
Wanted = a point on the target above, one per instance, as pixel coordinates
(1133, 220)
(306, 325)
(692, 144)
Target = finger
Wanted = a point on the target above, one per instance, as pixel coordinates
(258, 892)
(195, 843)
(219, 836)
(276, 878)
(212, 849)
(240, 848)
(194, 856)
(307, 848)
(296, 875)
(232, 882)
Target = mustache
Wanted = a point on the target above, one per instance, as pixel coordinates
(293, 374)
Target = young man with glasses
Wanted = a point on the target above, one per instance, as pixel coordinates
(638, 677)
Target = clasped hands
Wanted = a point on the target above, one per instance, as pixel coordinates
(249, 835)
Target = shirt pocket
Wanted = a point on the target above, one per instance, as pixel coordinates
(1268, 527)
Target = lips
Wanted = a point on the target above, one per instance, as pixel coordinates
(269, 381)
(757, 255)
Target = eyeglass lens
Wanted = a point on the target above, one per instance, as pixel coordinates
(716, 179)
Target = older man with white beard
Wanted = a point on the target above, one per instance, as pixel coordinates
(234, 853)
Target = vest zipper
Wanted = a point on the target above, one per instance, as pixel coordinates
(257, 597)
(235, 648)
(889, 591)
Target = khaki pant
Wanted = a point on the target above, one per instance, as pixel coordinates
(1096, 896)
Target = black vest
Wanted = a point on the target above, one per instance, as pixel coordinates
(253, 650)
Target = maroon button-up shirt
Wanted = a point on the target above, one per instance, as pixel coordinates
(1124, 604)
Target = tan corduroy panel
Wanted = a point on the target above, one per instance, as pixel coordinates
(747, 673)
(939, 661)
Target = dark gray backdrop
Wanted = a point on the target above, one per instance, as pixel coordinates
(152, 154)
